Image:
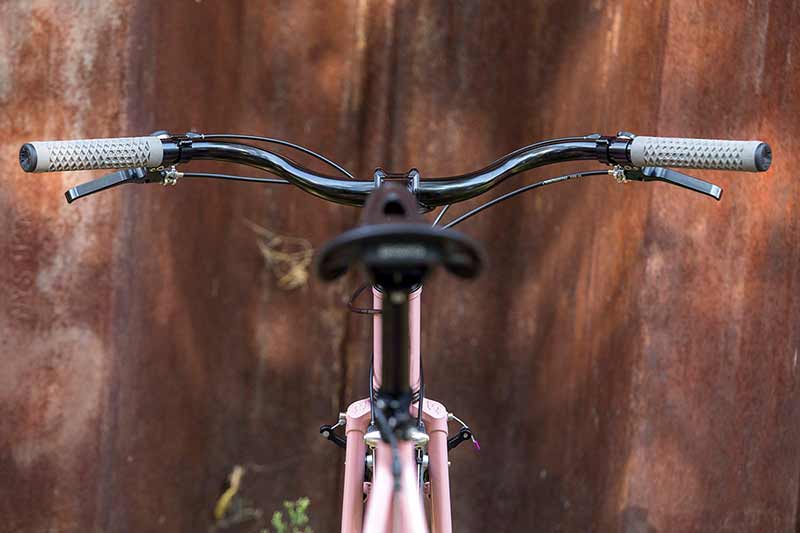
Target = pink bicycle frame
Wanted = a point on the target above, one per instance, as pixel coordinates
(389, 511)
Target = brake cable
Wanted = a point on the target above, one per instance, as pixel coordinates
(515, 152)
(251, 179)
(521, 190)
(351, 303)
(539, 144)
(441, 214)
(271, 140)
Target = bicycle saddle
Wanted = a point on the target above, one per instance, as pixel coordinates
(394, 242)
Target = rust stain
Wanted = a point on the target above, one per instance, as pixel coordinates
(628, 361)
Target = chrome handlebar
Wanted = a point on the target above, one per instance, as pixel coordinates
(429, 192)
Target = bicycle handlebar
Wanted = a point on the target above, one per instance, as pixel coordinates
(430, 192)
(625, 150)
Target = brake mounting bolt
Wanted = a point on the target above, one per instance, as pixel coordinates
(170, 176)
(618, 173)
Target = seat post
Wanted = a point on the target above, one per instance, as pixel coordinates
(395, 392)
(395, 343)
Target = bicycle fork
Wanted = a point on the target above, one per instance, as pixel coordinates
(357, 492)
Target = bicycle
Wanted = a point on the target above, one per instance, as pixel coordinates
(397, 440)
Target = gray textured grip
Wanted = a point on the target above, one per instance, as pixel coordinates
(89, 154)
(753, 156)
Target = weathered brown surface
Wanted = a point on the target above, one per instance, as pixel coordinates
(629, 360)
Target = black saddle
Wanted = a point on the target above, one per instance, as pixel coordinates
(396, 246)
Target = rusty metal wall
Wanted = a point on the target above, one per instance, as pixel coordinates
(629, 360)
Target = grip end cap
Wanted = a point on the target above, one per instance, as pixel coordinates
(763, 157)
(28, 158)
(72, 195)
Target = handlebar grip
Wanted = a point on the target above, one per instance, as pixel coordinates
(90, 154)
(752, 156)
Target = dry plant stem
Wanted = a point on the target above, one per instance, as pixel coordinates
(289, 258)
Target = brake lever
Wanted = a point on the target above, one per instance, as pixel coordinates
(128, 175)
(675, 178)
